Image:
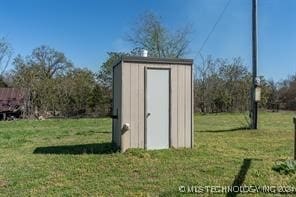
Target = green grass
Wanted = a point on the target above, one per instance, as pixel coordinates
(222, 146)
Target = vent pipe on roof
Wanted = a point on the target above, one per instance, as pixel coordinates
(144, 53)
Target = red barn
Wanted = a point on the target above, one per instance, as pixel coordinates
(12, 101)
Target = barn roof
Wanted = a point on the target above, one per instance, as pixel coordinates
(11, 98)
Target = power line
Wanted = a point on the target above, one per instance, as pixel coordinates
(213, 28)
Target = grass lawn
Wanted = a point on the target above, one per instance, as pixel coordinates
(53, 157)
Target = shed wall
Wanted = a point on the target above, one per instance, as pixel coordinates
(133, 105)
(116, 104)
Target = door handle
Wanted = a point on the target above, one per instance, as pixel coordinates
(148, 114)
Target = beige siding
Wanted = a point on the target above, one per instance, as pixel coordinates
(187, 107)
(126, 105)
(181, 105)
(141, 107)
(134, 107)
(174, 106)
(133, 96)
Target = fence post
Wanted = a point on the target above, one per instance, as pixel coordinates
(294, 138)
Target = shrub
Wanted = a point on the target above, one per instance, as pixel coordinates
(285, 167)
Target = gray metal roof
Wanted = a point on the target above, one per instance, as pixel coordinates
(140, 59)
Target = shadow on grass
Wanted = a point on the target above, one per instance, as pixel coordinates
(240, 177)
(99, 148)
(225, 130)
(86, 133)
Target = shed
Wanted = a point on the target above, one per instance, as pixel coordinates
(152, 103)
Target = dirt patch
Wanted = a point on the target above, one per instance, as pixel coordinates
(3, 183)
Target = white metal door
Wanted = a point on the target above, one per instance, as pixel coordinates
(157, 108)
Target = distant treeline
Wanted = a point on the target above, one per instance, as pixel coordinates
(56, 88)
(222, 85)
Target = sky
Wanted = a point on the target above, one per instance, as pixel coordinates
(85, 30)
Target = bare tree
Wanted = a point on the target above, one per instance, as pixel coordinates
(222, 85)
(5, 55)
(287, 93)
(37, 73)
(149, 33)
(49, 61)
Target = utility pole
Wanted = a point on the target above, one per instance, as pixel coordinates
(254, 104)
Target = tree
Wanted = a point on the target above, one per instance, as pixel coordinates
(49, 62)
(203, 83)
(5, 55)
(237, 82)
(149, 33)
(222, 85)
(269, 94)
(287, 93)
(104, 78)
(74, 91)
(2, 83)
(106, 69)
(38, 73)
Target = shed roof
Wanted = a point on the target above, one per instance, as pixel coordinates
(140, 59)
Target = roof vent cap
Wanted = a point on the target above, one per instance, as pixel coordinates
(144, 53)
